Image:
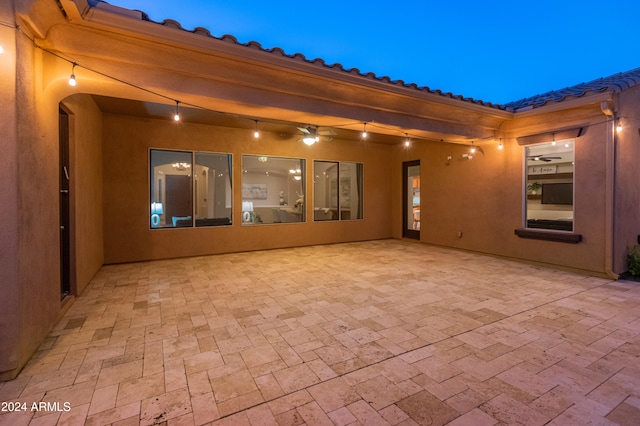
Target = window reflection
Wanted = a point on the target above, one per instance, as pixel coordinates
(184, 195)
(212, 187)
(549, 185)
(337, 191)
(171, 201)
(272, 190)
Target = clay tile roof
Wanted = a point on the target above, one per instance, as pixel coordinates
(615, 83)
(300, 57)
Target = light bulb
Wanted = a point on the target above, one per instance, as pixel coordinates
(256, 133)
(176, 116)
(364, 131)
(72, 77)
(619, 127)
(500, 147)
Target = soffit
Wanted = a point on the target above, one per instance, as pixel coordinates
(284, 129)
(98, 6)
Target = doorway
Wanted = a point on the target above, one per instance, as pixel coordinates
(411, 199)
(65, 215)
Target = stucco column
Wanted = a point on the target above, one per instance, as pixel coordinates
(9, 207)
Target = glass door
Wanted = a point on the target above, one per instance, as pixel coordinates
(411, 199)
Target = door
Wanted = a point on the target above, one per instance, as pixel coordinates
(178, 198)
(411, 199)
(65, 221)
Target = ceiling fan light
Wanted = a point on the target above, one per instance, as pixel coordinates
(309, 140)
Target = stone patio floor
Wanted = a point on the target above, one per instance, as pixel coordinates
(385, 332)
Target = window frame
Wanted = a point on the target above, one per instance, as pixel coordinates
(537, 224)
(287, 207)
(340, 194)
(158, 212)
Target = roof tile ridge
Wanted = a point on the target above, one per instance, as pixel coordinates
(228, 38)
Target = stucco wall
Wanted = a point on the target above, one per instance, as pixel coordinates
(86, 188)
(627, 207)
(127, 237)
(32, 290)
(9, 211)
(483, 198)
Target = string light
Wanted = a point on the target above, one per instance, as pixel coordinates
(176, 116)
(256, 133)
(364, 131)
(407, 142)
(500, 146)
(473, 148)
(72, 77)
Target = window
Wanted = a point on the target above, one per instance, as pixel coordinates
(189, 189)
(549, 185)
(273, 190)
(337, 191)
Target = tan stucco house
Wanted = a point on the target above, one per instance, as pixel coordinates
(101, 173)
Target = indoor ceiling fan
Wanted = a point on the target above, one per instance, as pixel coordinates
(311, 135)
(543, 157)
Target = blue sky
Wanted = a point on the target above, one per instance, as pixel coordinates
(497, 51)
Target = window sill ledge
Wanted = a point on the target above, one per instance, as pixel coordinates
(562, 237)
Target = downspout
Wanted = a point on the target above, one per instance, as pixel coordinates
(608, 109)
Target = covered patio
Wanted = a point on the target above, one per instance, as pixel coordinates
(378, 332)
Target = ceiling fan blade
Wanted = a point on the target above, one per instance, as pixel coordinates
(304, 130)
(327, 133)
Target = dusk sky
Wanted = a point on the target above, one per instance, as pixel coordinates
(497, 51)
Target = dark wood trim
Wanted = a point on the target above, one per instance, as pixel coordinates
(561, 237)
(551, 176)
(561, 134)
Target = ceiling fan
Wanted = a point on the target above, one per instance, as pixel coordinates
(545, 158)
(311, 135)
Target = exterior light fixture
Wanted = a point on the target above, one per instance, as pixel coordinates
(619, 127)
(364, 131)
(176, 116)
(72, 77)
(256, 133)
(407, 141)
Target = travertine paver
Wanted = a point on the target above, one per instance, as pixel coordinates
(380, 332)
